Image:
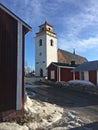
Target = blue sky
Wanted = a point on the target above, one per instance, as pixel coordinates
(75, 22)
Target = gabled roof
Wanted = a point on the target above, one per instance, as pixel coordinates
(67, 57)
(86, 66)
(15, 17)
(64, 65)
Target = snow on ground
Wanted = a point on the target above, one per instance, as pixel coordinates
(45, 115)
(12, 126)
(82, 82)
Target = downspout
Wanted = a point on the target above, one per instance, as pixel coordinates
(97, 77)
(59, 74)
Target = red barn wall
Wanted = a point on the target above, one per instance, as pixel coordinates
(77, 75)
(66, 74)
(93, 76)
(8, 61)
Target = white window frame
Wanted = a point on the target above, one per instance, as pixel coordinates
(52, 74)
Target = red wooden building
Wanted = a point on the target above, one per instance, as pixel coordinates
(61, 72)
(88, 71)
(12, 33)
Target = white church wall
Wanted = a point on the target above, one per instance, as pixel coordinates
(51, 50)
(40, 55)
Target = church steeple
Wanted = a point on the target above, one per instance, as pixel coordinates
(46, 28)
(45, 48)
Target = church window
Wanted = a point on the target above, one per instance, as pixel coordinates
(40, 42)
(40, 53)
(42, 29)
(51, 42)
(49, 29)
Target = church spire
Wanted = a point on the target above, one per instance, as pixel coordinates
(74, 51)
(45, 20)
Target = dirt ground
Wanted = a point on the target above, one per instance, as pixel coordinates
(74, 104)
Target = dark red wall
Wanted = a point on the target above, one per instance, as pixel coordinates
(50, 68)
(8, 61)
(66, 74)
(77, 76)
(93, 76)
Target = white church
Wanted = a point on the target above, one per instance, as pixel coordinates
(45, 49)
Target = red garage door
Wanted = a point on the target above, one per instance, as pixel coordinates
(93, 76)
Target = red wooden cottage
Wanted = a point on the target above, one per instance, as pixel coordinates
(88, 71)
(61, 72)
(12, 32)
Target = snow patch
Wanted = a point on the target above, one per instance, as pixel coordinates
(12, 126)
(47, 113)
(82, 82)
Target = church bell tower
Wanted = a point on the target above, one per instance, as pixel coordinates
(45, 49)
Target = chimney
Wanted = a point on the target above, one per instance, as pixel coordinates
(72, 63)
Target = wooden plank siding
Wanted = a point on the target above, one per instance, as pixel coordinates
(77, 75)
(8, 61)
(66, 74)
(61, 73)
(93, 76)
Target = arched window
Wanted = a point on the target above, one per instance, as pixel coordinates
(40, 42)
(40, 54)
(51, 42)
(42, 29)
(41, 72)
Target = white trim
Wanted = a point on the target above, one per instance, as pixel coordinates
(73, 75)
(80, 74)
(97, 77)
(52, 75)
(59, 74)
(19, 67)
(86, 75)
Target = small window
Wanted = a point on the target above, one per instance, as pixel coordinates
(40, 42)
(52, 74)
(40, 53)
(51, 42)
(42, 29)
(49, 29)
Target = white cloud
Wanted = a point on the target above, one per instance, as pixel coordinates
(86, 17)
(81, 45)
(69, 39)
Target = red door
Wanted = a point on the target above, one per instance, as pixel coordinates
(93, 76)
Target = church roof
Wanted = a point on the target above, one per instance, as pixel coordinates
(46, 23)
(68, 57)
